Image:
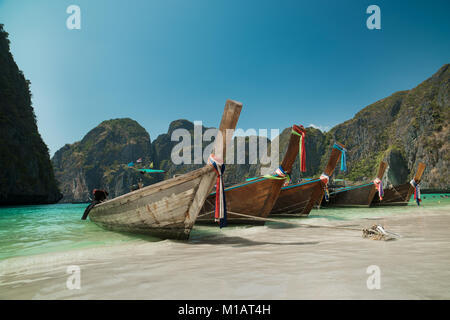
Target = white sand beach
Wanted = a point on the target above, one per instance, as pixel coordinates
(272, 262)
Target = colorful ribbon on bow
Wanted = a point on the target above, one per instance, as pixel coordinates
(280, 174)
(379, 185)
(343, 156)
(325, 179)
(416, 191)
(300, 131)
(220, 209)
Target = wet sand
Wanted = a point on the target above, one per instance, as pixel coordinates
(276, 261)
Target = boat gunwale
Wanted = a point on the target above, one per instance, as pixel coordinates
(165, 184)
(300, 184)
(242, 184)
(264, 178)
(351, 188)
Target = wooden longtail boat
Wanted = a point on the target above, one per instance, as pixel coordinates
(301, 197)
(401, 194)
(357, 195)
(167, 209)
(254, 198)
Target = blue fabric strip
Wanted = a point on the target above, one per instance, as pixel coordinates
(343, 156)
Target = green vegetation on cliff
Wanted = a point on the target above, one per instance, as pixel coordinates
(404, 129)
(100, 160)
(26, 173)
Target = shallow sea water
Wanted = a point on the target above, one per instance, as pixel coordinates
(275, 261)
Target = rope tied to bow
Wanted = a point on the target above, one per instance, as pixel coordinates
(379, 185)
(343, 156)
(416, 187)
(220, 208)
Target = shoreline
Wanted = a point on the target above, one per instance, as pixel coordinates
(275, 261)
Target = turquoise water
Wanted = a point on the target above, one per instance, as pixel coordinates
(436, 201)
(28, 230)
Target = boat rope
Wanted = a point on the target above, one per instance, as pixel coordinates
(292, 223)
(343, 156)
(379, 228)
(416, 187)
(325, 179)
(379, 185)
(220, 209)
(205, 214)
(300, 131)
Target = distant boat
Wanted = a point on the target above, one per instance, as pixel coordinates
(356, 195)
(167, 209)
(255, 197)
(151, 170)
(300, 198)
(401, 194)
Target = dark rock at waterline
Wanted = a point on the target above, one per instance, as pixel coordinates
(26, 173)
(397, 172)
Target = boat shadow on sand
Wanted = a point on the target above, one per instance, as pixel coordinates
(207, 237)
(237, 241)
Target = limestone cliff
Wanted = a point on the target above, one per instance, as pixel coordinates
(404, 129)
(26, 173)
(100, 160)
(163, 146)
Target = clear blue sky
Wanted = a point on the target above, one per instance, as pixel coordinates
(308, 62)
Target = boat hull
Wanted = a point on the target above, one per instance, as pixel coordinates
(401, 194)
(297, 199)
(250, 202)
(395, 196)
(165, 210)
(300, 198)
(357, 196)
(254, 198)
(168, 209)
